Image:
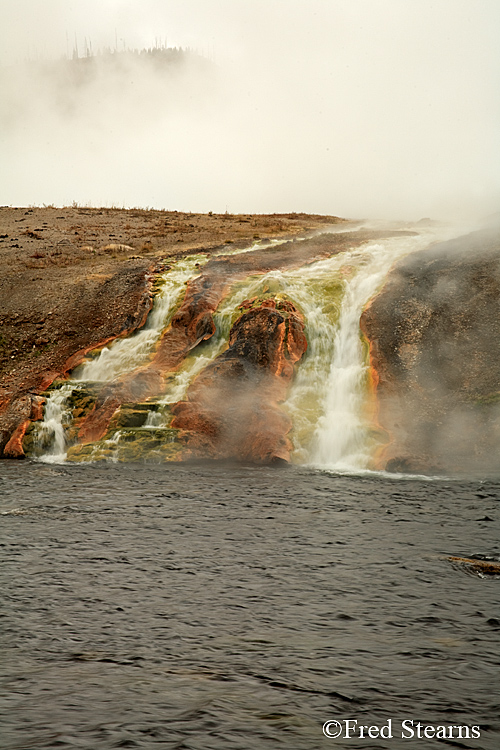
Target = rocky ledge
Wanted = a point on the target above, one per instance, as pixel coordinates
(434, 333)
(231, 410)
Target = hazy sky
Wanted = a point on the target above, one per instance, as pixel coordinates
(352, 107)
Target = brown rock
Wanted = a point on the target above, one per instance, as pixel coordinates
(12, 426)
(37, 404)
(14, 447)
(481, 567)
(232, 409)
(434, 334)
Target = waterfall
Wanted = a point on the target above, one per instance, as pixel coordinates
(328, 402)
(338, 367)
(50, 440)
(341, 437)
(124, 355)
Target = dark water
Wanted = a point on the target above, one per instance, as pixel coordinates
(225, 607)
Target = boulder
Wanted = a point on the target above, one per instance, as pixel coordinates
(232, 409)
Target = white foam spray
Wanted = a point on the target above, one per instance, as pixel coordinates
(124, 355)
(341, 437)
(50, 437)
(327, 402)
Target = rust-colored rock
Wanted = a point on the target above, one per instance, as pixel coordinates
(37, 405)
(14, 448)
(16, 413)
(480, 566)
(232, 408)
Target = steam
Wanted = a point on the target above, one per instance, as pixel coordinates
(383, 109)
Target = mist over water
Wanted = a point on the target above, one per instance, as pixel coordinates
(382, 109)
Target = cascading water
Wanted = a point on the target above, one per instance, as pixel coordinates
(329, 398)
(338, 366)
(124, 355)
(340, 437)
(50, 438)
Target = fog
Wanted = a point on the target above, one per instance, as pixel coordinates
(360, 108)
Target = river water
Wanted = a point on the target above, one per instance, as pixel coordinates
(222, 607)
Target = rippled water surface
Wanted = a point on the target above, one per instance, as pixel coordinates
(230, 607)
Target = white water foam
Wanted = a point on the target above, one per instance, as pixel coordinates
(50, 437)
(124, 355)
(341, 439)
(327, 402)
